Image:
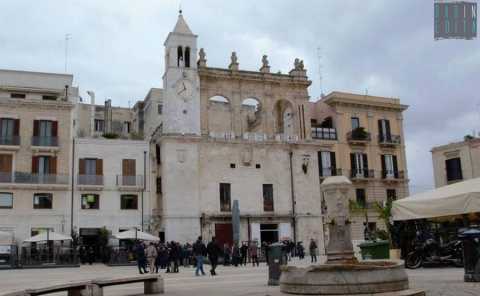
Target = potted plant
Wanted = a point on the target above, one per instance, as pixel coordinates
(359, 133)
(384, 211)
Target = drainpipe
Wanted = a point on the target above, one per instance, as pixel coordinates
(294, 222)
(144, 178)
(72, 197)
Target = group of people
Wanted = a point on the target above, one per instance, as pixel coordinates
(171, 255)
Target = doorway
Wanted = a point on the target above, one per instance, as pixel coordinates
(269, 233)
(224, 233)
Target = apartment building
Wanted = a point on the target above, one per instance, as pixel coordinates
(456, 161)
(364, 140)
(111, 187)
(35, 150)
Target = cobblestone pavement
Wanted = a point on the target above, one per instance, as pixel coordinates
(231, 281)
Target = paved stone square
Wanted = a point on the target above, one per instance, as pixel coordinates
(230, 281)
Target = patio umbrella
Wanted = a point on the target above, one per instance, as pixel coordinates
(456, 199)
(136, 234)
(50, 236)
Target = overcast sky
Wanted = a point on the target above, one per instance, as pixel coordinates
(387, 47)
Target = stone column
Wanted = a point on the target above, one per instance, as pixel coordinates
(336, 192)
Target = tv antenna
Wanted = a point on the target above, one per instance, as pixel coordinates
(320, 77)
(67, 37)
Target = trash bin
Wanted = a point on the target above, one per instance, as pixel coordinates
(471, 254)
(375, 249)
(276, 258)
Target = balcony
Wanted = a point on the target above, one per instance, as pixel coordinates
(393, 176)
(328, 172)
(130, 182)
(358, 136)
(10, 141)
(388, 140)
(323, 133)
(90, 182)
(28, 180)
(45, 143)
(361, 174)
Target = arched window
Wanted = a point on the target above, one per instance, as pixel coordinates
(219, 99)
(187, 57)
(180, 57)
(251, 103)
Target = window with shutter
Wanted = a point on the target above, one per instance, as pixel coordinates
(454, 169)
(225, 197)
(360, 197)
(268, 197)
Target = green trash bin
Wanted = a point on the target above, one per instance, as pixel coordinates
(379, 249)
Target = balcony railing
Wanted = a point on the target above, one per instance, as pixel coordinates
(90, 180)
(11, 141)
(324, 133)
(361, 174)
(393, 175)
(29, 178)
(358, 135)
(388, 139)
(45, 141)
(135, 181)
(328, 172)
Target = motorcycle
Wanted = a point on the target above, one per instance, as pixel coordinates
(430, 252)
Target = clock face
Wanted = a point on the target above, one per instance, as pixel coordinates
(184, 89)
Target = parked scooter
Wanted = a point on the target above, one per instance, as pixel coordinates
(430, 252)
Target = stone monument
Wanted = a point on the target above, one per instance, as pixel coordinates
(343, 274)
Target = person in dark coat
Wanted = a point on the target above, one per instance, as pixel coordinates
(226, 255)
(213, 251)
(199, 251)
(244, 252)
(82, 252)
(313, 251)
(90, 255)
(236, 255)
(141, 259)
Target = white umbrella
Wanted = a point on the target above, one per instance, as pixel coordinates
(50, 236)
(135, 234)
(456, 199)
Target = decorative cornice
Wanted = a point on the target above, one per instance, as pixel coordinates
(226, 74)
(38, 104)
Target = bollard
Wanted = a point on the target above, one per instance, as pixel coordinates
(275, 259)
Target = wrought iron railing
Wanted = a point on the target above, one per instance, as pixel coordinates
(12, 140)
(45, 141)
(29, 178)
(136, 181)
(90, 180)
(323, 133)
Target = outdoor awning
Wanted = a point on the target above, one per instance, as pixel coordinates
(456, 199)
(52, 236)
(136, 234)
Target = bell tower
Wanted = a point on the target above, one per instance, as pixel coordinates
(181, 82)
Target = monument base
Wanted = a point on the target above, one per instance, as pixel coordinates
(367, 277)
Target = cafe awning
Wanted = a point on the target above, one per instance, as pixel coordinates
(455, 199)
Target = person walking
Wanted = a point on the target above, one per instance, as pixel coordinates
(253, 252)
(243, 252)
(213, 251)
(90, 255)
(199, 251)
(140, 254)
(152, 254)
(313, 250)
